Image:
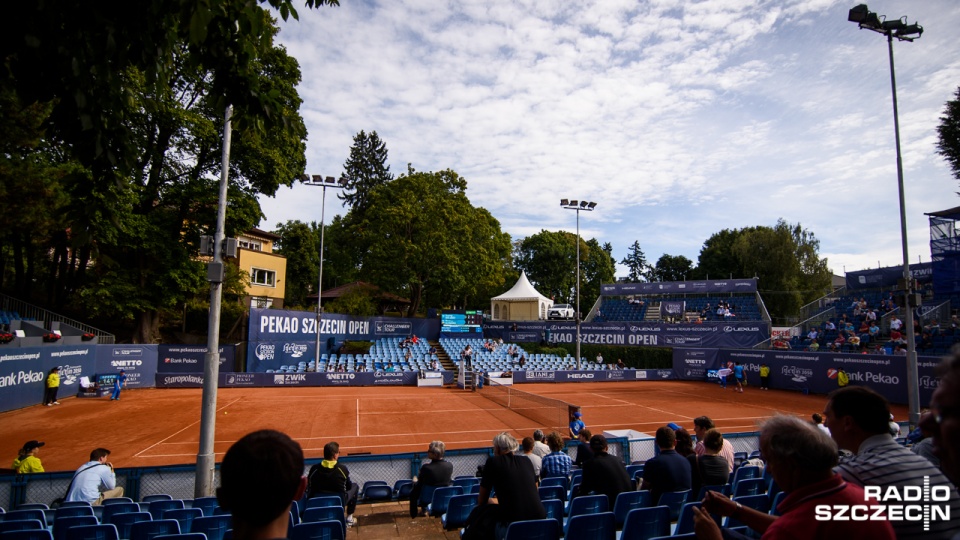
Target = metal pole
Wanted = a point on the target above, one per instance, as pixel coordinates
(913, 376)
(206, 458)
(323, 208)
(577, 314)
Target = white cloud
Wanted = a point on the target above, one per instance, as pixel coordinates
(679, 118)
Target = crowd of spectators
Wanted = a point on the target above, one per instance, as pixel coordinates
(831, 462)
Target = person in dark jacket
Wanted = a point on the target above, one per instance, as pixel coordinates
(604, 474)
(437, 473)
(329, 477)
(511, 477)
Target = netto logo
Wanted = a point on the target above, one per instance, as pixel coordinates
(695, 362)
(126, 363)
(340, 376)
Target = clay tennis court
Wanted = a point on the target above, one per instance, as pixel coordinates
(152, 427)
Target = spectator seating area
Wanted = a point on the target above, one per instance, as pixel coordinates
(384, 352)
(851, 312)
(744, 307)
(7, 316)
(568, 511)
(500, 360)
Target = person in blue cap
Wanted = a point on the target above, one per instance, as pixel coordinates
(118, 383)
(576, 425)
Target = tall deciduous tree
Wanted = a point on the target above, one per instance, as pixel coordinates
(300, 245)
(784, 257)
(671, 268)
(428, 242)
(365, 169)
(148, 265)
(949, 132)
(550, 261)
(636, 263)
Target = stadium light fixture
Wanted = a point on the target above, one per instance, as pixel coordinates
(317, 180)
(902, 31)
(584, 206)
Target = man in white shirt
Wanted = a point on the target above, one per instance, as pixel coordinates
(539, 447)
(95, 480)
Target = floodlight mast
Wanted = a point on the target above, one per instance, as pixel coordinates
(899, 29)
(324, 183)
(578, 206)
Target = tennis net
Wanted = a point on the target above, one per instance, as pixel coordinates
(549, 413)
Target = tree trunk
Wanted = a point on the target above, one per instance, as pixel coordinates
(416, 292)
(147, 327)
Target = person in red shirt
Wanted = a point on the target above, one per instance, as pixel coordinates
(800, 458)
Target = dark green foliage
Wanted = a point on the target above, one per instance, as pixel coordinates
(948, 145)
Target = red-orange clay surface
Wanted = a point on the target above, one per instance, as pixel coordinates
(162, 426)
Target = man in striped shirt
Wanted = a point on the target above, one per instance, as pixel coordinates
(858, 419)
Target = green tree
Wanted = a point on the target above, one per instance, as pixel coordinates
(146, 264)
(784, 257)
(365, 169)
(79, 59)
(671, 268)
(300, 244)
(428, 242)
(636, 263)
(948, 145)
(550, 261)
(716, 256)
(356, 301)
(598, 267)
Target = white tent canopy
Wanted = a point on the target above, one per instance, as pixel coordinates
(521, 303)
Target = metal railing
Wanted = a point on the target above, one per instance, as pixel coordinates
(178, 480)
(36, 313)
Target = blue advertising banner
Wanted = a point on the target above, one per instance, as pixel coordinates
(708, 334)
(817, 372)
(189, 358)
(693, 364)
(23, 372)
(619, 375)
(233, 380)
(281, 337)
(888, 277)
(715, 286)
(139, 362)
(301, 326)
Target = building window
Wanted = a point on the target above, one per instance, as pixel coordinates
(266, 278)
(247, 243)
(261, 302)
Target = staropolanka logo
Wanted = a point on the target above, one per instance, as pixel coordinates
(924, 504)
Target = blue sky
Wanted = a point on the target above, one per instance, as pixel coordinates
(679, 118)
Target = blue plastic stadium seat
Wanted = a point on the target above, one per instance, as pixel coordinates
(627, 501)
(537, 529)
(158, 508)
(20, 525)
(61, 524)
(647, 522)
(317, 530)
(215, 527)
(146, 530)
(458, 509)
(124, 521)
(674, 500)
(441, 498)
(93, 532)
(184, 516)
(600, 526)
(30, 513)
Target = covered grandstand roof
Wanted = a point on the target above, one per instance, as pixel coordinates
(521, 290)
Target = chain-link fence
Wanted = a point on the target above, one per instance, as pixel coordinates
(178, 481)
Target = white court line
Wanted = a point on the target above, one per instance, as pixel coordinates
(611, 399)
(182, 430)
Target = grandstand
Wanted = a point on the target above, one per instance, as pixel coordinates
(498, 360)
(383, 353)
(684, 301)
